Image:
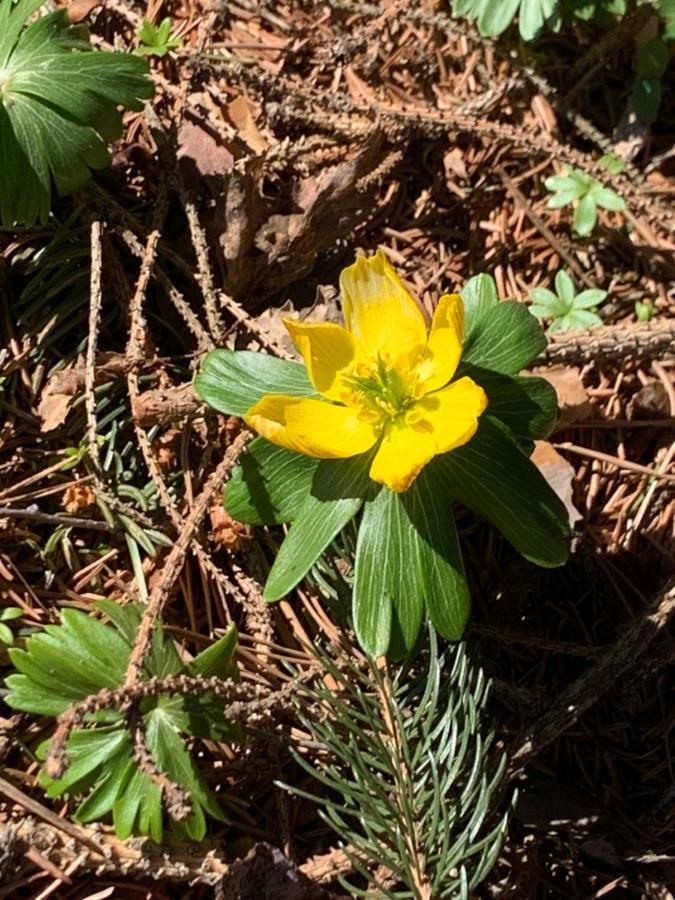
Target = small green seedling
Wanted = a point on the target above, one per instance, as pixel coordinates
(156, 40)
(644, 310)
(567, 309)
(612, 163)
(586, 193)
(8, 615)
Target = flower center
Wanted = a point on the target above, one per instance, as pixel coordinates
(381, 390)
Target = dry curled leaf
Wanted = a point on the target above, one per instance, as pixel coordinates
(226, 531)
(241, 117)
(77, 498)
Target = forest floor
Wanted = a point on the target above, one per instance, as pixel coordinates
(284, 137)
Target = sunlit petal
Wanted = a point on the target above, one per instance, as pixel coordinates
(311, 426)
(378, 309)
(401, 456)
(444, 346)
(437, 423)
(328, 351)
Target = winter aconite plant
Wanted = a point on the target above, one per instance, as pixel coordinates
(586, 194)
(65, 664)
(567, 309)
(59, 104)
(391, 421)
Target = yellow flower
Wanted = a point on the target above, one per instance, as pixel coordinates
(384, 379)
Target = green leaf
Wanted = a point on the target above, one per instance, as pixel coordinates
(563, 323)
(612, 163)
(526, 404)
(269, 485)
(652, 59)
(644, 310)
(9, 613)
(232, 381)
(87, 751)
(148, 33)
(139, 796)
(163, 658)
(12, 20)
(100, 801)
(585, 215)
(589, 299)
(59, 100)
(493, 476)
(171, 756)
(504, 336)
(338, 489)
(562, 198)
(647, 99)
(609, 199)
(564, 183)
(548, 304)
(218, 658)
(372, 593)
(582, 318)
(429, 506)
(564, 288)
(533, 15)
(496, 16)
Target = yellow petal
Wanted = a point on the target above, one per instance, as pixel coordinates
(328, 351)
(378, 309)
(437, 423)
(444, 346)
(311, 426)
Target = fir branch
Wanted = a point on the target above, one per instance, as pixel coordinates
(410, 780)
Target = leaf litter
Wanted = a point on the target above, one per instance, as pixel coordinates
(288, 140)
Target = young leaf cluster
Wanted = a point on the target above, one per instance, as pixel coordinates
(586, 194)
(66, 663)
(59, 102)
(408, 562)
(493, 17)
(156, 40)
(567, 309)
(408, 780)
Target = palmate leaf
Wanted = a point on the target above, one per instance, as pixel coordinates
(59, 102)
(67, 662)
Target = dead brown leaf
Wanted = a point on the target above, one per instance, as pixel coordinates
(78, 497)
(226, 531)
(573, 400)
(559, 474)
(201, 149)
(239, 112)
